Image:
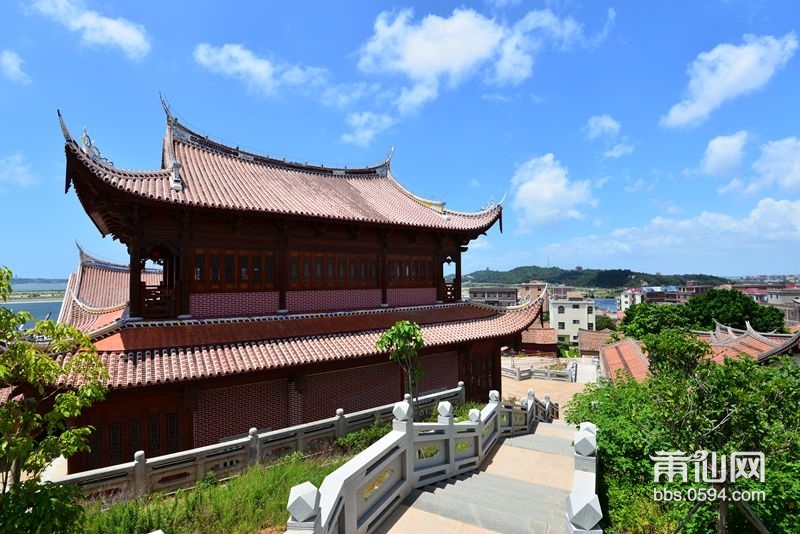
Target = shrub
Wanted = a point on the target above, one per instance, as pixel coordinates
(357, 441)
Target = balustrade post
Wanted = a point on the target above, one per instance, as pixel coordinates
(462, 395)
(139, 473)
(445, 417)
(255, 446)
(341, 423)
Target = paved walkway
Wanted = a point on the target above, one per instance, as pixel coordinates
(521, 487)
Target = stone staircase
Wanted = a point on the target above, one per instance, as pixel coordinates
(521, 488)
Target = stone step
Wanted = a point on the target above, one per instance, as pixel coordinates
(474, 511)
(509, 496)
(542, 443)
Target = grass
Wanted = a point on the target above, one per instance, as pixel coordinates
(253, 502)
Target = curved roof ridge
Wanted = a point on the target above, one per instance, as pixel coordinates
(110, 168)
(439, 205)
(178, 132)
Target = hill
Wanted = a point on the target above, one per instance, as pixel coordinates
(598, 278)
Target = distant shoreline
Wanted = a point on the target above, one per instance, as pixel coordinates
(27, 301)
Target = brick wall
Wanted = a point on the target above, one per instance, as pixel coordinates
(352, 390)
(412, 296)
(232, 411)
(332, 300)
(441, 372)
(205, 305)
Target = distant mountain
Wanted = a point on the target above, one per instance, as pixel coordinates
(599, 278)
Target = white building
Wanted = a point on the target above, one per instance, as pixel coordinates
(571, 313)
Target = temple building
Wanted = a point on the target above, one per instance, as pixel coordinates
(257, 289)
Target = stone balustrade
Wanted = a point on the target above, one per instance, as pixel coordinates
(171, 472)
(583, 506)
(359, 496)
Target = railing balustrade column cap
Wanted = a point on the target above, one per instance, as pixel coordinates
(139, 457)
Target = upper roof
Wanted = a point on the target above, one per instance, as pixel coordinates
(198, 172)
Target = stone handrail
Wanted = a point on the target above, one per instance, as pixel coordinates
(570, 374)
(583, 505)
(184, 469)
(358, 497)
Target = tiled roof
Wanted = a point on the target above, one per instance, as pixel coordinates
(626, 356)
(592, 340)
(536, 335)
(153, 353)
(213, 175)
(97, 294)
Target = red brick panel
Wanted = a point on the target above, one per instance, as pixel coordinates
(206, 305)
(332, 300)
(441, 372)
(232, 411)
(352, 390)
(413, 296)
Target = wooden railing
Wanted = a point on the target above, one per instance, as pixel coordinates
(159, 301)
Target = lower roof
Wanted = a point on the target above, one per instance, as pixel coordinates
(149, 353)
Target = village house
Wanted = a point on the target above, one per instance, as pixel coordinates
(257, 289)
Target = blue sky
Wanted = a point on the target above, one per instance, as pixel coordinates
(652, 136)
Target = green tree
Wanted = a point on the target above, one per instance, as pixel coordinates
(403, 341)
(674, 350)
(602, 322)
(732, 308)
(646, 318)
(48, 375)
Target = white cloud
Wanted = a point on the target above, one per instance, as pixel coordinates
(11, 67)
(727, 72)
(606, 129)
(619, 150)
(259, 74)
(365, 126)
(724, 154)
(543, 194)
(779, 164)
(96, 29)
(15, 171)
(708, 234)
(446, 51)
(602, 126)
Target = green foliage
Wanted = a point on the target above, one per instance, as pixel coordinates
(602, 322)
(35, 507)
(403, 341)
(34, 366)
(646, 318)
(732, 308)
(358, 440)
(674, 350)
(255, 501)
(738, 406)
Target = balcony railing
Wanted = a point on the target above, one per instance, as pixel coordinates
(159, 301)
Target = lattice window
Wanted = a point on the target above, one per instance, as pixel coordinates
(115, 443)
(154, 436)
(172, 432)
(134, 436)
(96, 443)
